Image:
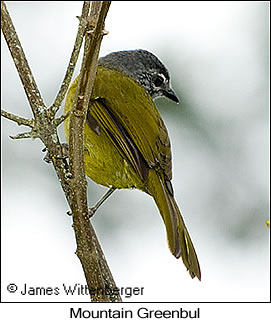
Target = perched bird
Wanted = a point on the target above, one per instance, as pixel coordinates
(126, 141)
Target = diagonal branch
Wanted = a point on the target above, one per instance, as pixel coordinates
(25, 135)
(19, 120)
(73, 60)
(31, 89)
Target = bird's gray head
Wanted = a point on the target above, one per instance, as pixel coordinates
(145, 68)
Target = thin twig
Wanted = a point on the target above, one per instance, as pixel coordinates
(73, 60)
(25, 135)
(59, 120)
(19, 120)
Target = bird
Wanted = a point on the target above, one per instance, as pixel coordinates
(126, 142)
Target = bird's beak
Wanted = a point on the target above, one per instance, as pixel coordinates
(169, 93)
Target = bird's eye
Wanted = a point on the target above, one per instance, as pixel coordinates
(158, 80)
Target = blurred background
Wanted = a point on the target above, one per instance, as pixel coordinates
(218, 57)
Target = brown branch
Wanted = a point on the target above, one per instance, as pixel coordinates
(73, 60)
(44, 126)
(31, 89)
(86, 249)
(19, 120)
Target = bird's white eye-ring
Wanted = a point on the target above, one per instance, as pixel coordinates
(159, 79)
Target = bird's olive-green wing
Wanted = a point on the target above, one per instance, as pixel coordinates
(132, 120)
(119, 136)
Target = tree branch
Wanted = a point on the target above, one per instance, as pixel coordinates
(19, 120)
(31, 89)
(44, 126)
(73, 60)
(86, 250)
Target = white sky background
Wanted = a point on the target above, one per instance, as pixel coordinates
(217, 54)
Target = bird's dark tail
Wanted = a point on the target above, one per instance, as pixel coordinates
(179, 241)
